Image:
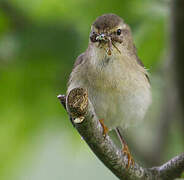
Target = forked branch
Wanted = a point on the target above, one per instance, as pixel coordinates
(86, 122)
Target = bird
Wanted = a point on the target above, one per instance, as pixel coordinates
(116, 80)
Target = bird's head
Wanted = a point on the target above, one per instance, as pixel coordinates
(110, 33)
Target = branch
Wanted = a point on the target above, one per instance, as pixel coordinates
(86, 122)
(170, 170)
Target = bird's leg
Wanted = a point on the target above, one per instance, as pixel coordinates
(125, 149)
(105, 128)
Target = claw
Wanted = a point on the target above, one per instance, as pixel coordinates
(105, 128)
(126, 151)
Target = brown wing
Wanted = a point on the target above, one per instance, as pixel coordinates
(79, 60)
(131, 46)
(140, 62)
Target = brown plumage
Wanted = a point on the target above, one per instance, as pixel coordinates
(107, 21)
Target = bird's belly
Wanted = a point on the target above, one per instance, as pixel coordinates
(122, 108)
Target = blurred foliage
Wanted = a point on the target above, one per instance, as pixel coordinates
(39, 41)
(182, 176)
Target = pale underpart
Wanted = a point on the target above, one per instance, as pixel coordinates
(116, 84)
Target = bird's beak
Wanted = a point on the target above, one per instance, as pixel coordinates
(102, 37)
(106, 39)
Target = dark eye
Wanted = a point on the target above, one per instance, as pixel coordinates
(119, 32)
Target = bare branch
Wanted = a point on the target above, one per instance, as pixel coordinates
(82, 112)
(171, 169)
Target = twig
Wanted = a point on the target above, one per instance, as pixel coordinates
(79, 107)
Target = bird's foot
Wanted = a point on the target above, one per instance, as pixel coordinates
(105, 128)
(126, 151)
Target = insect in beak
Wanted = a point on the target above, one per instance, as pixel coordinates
(106, 39)
(101, 37)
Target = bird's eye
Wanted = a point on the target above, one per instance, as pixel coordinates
(119, 32)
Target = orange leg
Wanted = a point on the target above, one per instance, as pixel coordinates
(125, 149)
(105, 128)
